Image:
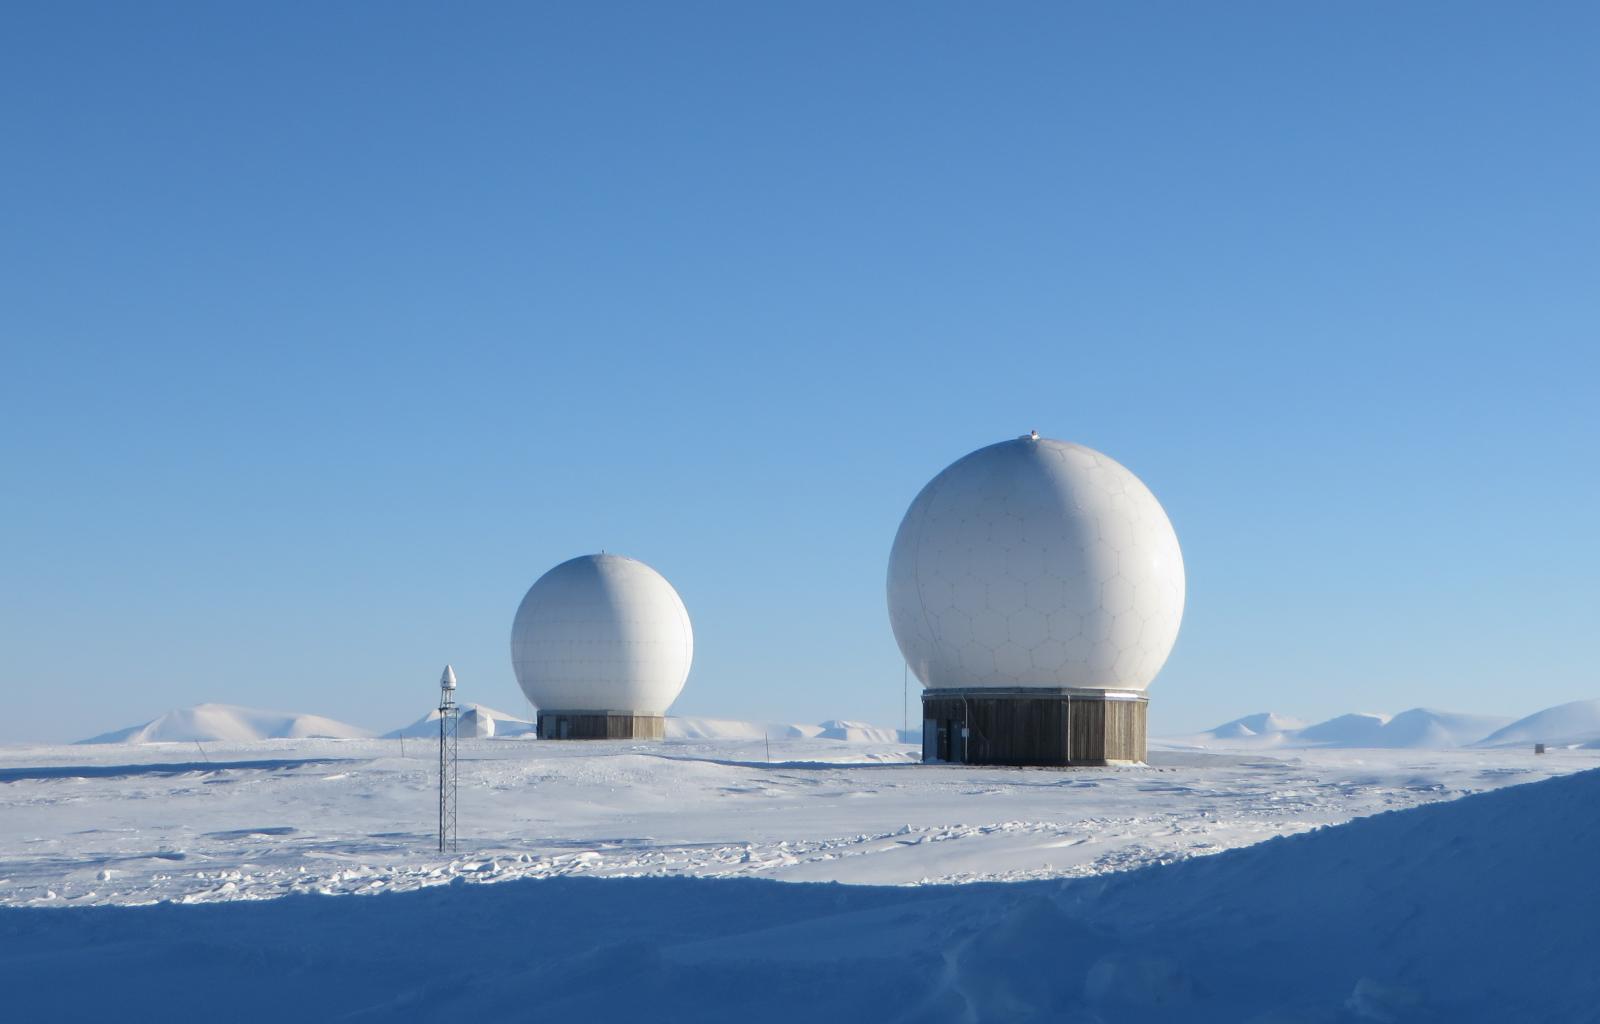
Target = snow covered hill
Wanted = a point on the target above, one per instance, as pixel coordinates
(1565, 725)
(726, 729)
(1417, 729)
(723, 729)
(228, 723)
(857, 732)
(1573, 724)
(1264, 729)
(1427, 728)
(679, 729)
(476, 720)
(1358, 729)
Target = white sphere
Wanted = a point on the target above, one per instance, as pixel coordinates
(602, 633)
(1036, 563)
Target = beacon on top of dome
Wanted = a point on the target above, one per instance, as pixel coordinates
(601, 644)
(1036, 566)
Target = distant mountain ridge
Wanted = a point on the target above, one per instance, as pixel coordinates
(1575, 724)
(229, 723)
(476, 720)
(725, 729)
(1359, 729)
(1264, 724)
(1423, 727)
(729, 729)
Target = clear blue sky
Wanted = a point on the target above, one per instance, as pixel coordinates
(327, 328)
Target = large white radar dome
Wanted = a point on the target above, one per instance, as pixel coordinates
(602, 633)
(1036, 563)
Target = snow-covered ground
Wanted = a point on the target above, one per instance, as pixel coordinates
(1455, 908)
(138, 824)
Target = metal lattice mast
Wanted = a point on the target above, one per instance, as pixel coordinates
(448, 733)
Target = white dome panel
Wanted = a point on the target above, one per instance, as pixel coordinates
(1036, 563)
(602, 633)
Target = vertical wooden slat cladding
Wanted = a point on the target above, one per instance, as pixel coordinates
(1088, 731)
(589, 725)
(1027, 729)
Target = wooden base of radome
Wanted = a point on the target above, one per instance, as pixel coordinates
(600, 725)
(1033, 727)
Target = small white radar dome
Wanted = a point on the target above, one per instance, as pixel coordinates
(602, 633)
(1036, 563)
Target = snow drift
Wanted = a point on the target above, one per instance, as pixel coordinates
(228, 723)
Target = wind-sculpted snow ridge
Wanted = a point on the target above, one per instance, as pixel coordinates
(228, 723)
(1427, 915)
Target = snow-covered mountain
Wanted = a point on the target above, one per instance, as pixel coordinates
(1270, 729)
(232, 724)
(728, 729)
(857, 732)
(676, 728)
(1265, 728)
(1419, 728)
(229, 723)
(1425, 727)
(477, 720)
(1358, 729)
(1565, 725)
(724, 729)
